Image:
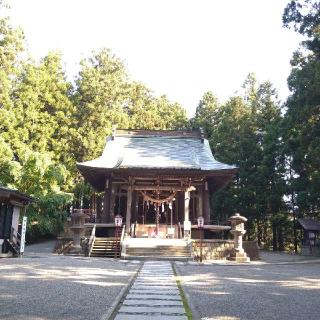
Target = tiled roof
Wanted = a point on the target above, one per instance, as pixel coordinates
(157, 151)
(309, 224)
(8, 192)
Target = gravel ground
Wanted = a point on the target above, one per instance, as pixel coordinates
(51, 287)
(42, 248)
(267, 291)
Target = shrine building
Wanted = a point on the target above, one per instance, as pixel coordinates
(159, 181)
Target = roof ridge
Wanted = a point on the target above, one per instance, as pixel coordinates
(158, 133)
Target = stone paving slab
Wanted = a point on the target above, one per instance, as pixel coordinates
(165, 277)
(152, 291)
(154, 309)
(146, 287)
(152, 274)
(152, 280)
(156, 285)
(148, 317)
(153, 296)
(152, 303)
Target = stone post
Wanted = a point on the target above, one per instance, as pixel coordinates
(237, 230)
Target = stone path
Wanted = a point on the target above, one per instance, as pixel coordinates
(153, 295)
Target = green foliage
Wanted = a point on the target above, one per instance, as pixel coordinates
(301, 124)
(244, 132)
(47, 215)
(105, 96)
(207, 114)
(100, 96)
(47, 125)
(304, 17)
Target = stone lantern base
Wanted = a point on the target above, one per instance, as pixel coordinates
(239, 257)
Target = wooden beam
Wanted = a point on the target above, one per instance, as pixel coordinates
(162, 188)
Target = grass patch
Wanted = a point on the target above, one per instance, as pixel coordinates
(183, 296)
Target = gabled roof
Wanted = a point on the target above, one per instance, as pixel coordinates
(151, 149)
(309, 224)
(9, 194)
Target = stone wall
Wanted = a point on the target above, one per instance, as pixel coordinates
(216, 249)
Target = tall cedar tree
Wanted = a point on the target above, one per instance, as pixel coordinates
(301, 125)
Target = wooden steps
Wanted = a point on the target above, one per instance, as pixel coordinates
(105, 247)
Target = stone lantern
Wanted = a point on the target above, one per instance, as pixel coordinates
(237, 230)
(77, 227)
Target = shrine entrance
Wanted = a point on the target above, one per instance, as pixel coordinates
(155, 216)
(156, 206)
(158, 181)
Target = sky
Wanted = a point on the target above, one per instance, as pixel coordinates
(181, 48)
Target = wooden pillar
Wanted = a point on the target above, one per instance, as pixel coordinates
(112, 201)
(106, 202)
(181, 206)
(206, 203)
(186, 223)
(128, 213)
(99, 208)
(176, 208)
(200, 202)
(134, 206)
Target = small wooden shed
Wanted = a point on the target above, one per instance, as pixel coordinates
(12, 202)
(310, 244)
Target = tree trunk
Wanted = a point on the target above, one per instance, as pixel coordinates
(259, 231)
(274, 238)
(280, 239)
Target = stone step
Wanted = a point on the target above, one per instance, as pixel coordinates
(156, 250)
(114, 255)
(173, 252)
(157, 253)
(156, 258)
(150, 255)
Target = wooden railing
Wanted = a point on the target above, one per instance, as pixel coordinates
(122, 234)
(91, 240)
(63, 245)
(121, 240)
(15, 237)
(14, 242)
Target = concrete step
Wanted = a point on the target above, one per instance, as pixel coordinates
(155, 258)
(155, 252)
(154, 242)
(157, 249)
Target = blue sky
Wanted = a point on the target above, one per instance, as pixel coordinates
(180, 48)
